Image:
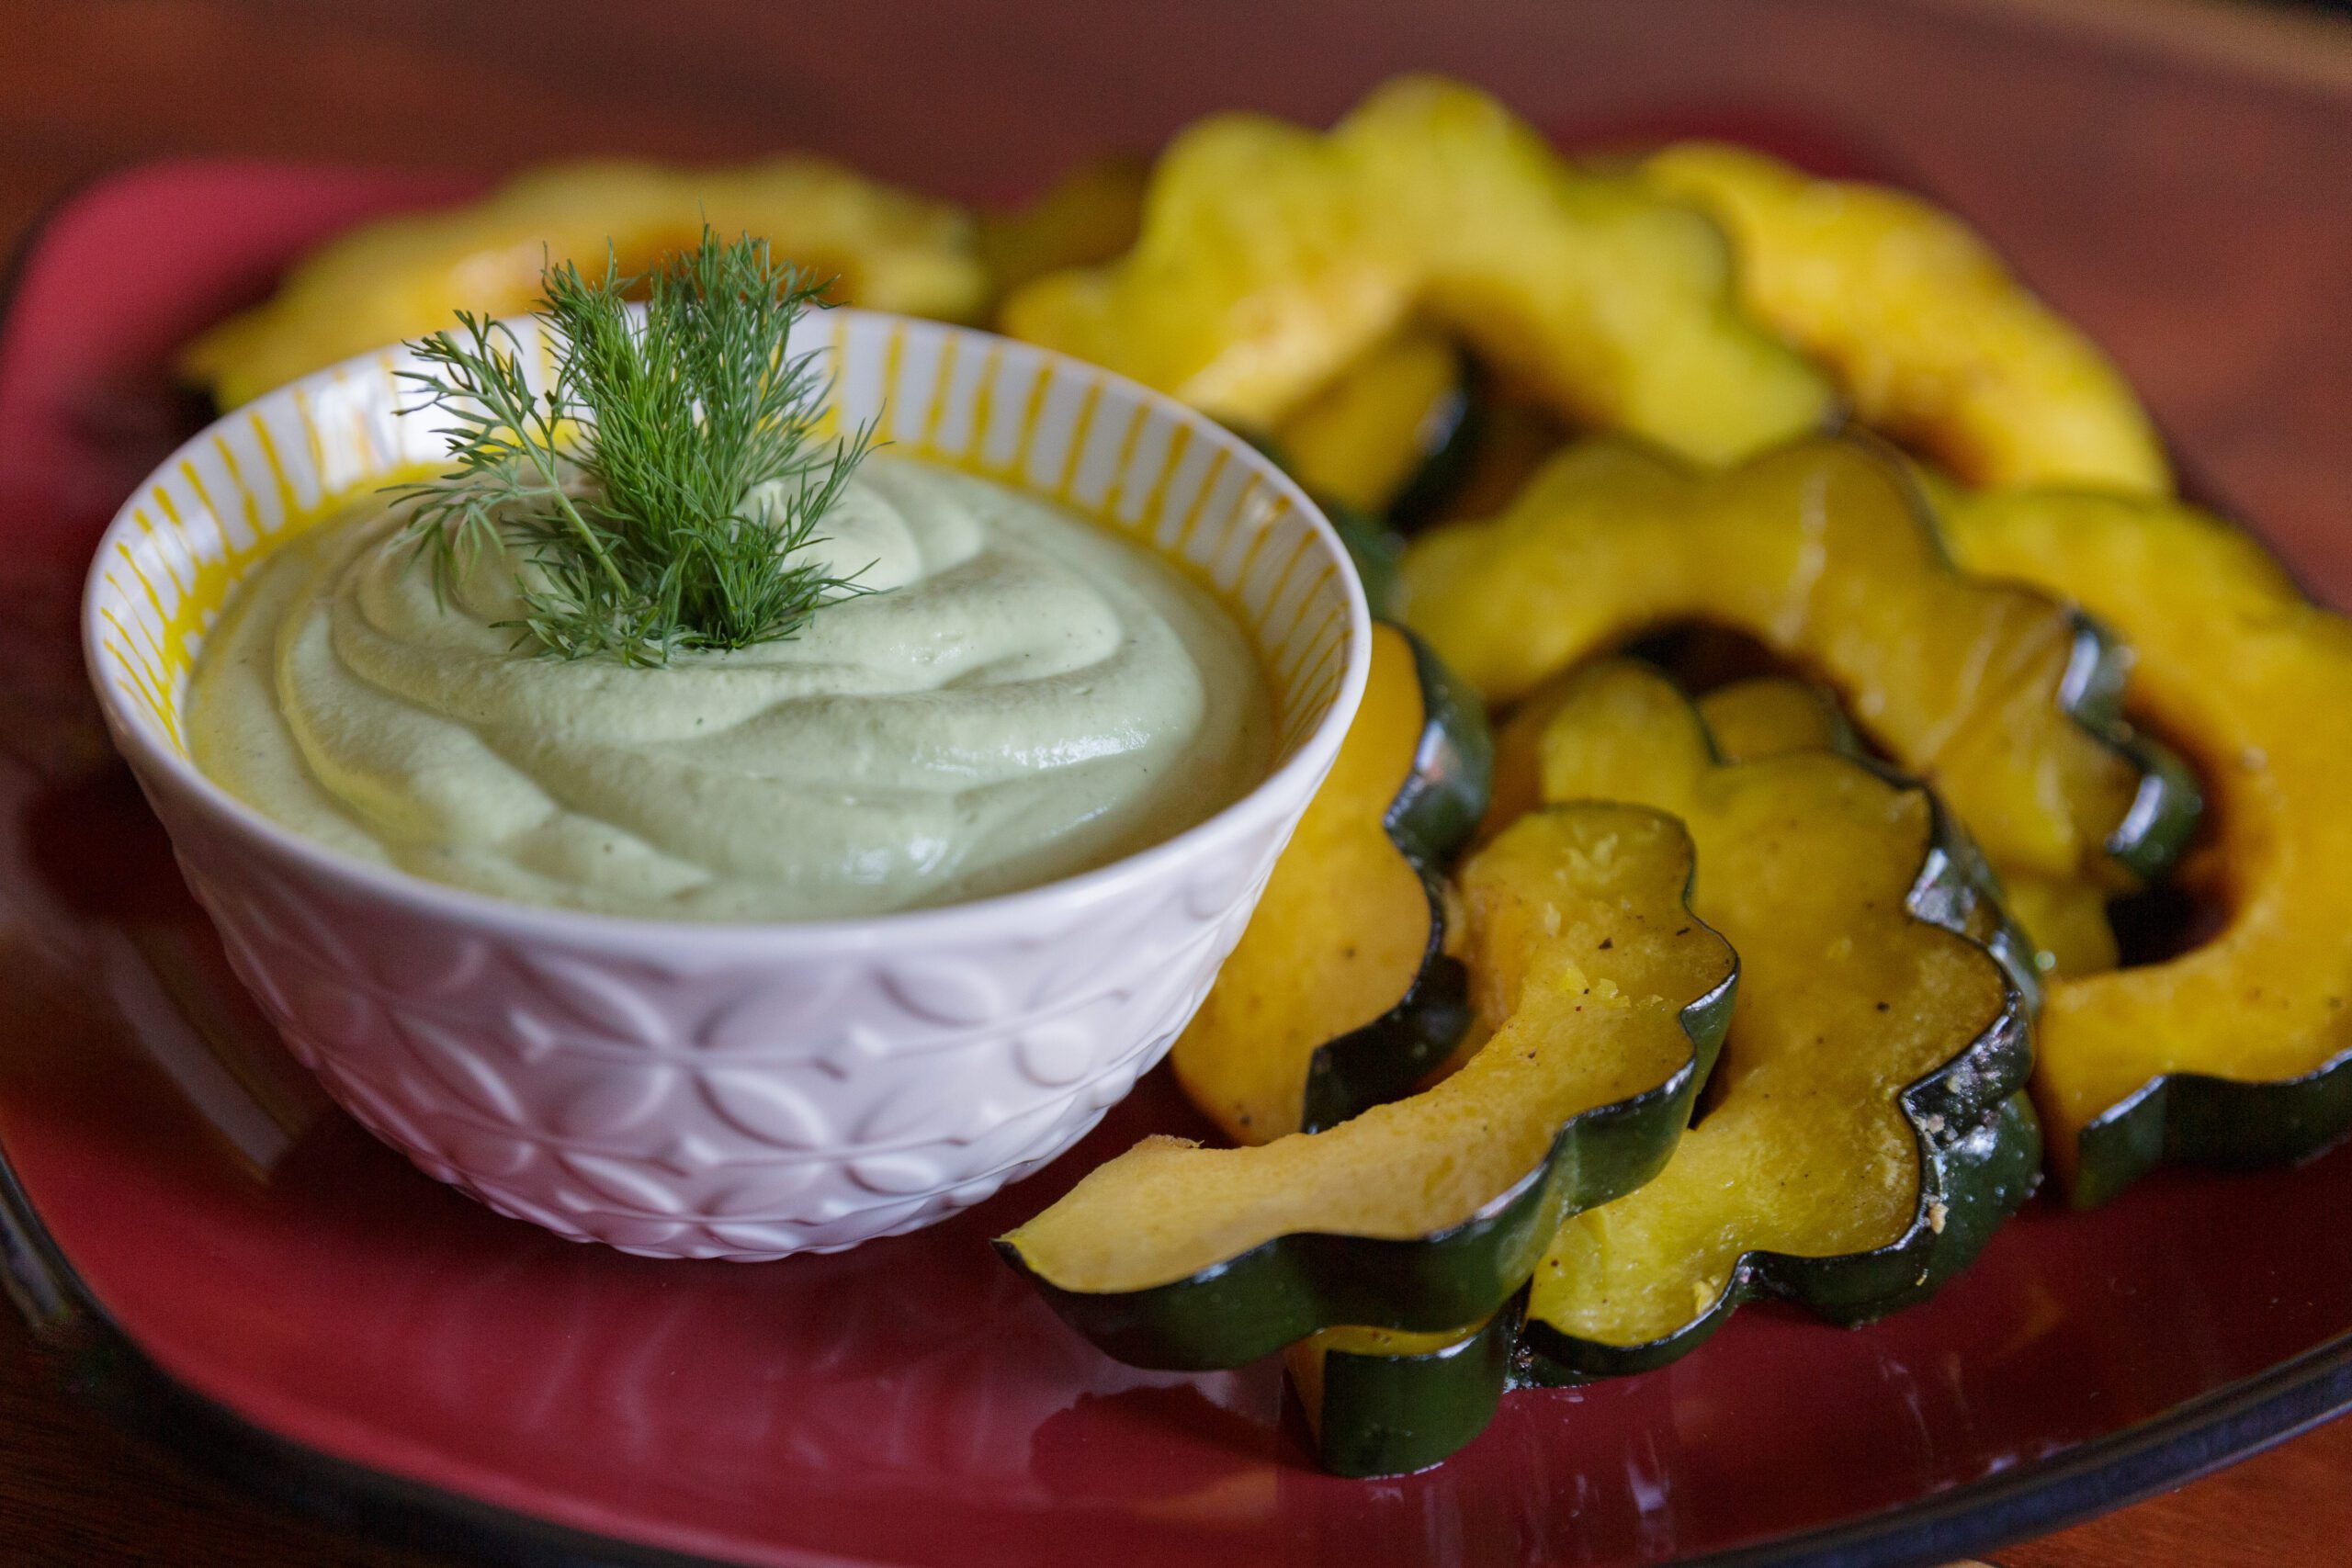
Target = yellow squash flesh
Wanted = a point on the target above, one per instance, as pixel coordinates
(402, 278)
(1088, 217)
(1271, 258)
(2067, 918)
(1759, 716)
(1767, 714)
(1820, 551)
(1360, 440)
(2254, 684)
(1340, 934)
(1931, 338)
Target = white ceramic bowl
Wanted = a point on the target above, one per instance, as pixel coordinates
(700, 1090)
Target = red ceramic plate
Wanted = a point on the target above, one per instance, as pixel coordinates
(254, 1279)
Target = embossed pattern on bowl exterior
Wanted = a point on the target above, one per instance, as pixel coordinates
(745, 1092)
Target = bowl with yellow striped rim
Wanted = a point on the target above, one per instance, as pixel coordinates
(704, 1090)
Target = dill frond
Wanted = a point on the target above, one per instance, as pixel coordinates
(660, 494)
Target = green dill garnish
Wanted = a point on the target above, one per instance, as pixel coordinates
(625, 487)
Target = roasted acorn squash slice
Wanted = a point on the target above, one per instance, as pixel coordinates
(1863, 1133)
(1931, 338)
(2057, 926)
(402, 278)
(1272, 258)
(1341, 992)
(2238, 1051)
(1379, 1404)
(2001, 694)
(1606, 999)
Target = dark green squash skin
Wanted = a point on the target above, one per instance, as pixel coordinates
(1958, 889)
(1449, 441)
(1394, 1415)
(1429, 820)
(1979, 1144)
(2164, 816)
(1453, 440)
(1375, 552)
(2224, 1124)
(1291, 1286)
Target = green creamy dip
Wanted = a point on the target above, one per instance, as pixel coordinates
(1019, 696)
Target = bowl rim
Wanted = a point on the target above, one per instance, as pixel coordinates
(1285, 787)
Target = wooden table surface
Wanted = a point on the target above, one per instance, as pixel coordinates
(2175, 174)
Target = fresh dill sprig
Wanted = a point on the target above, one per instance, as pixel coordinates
(626, 488)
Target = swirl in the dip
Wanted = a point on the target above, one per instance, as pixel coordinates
(1019, 696)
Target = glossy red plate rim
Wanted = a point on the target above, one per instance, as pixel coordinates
(105, 1366)
(108, 1368)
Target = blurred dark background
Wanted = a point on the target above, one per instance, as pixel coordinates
(2139, 160)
